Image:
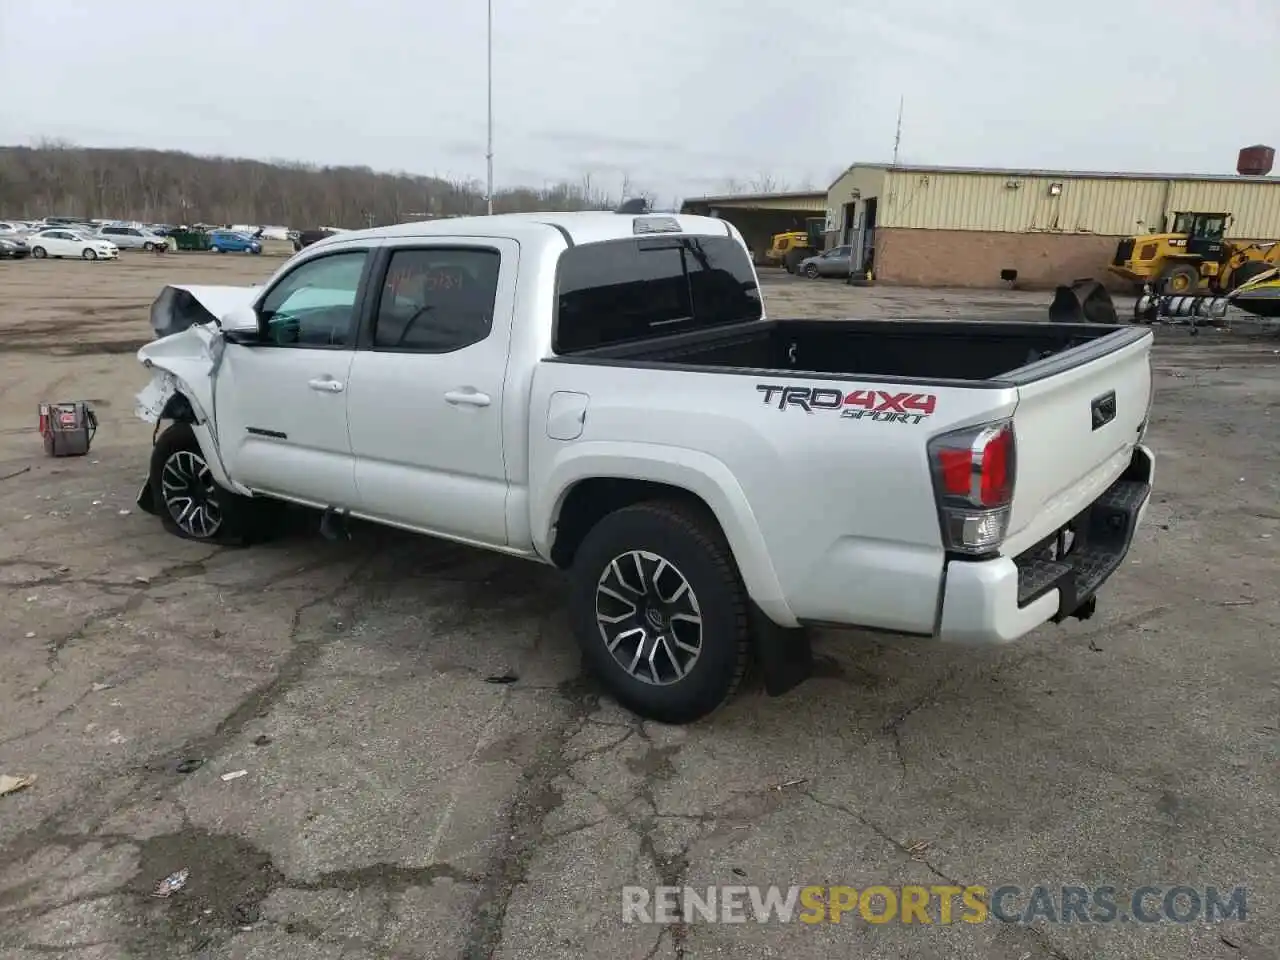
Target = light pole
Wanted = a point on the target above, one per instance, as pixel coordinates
(489, 154)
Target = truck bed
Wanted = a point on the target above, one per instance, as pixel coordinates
(957, 351)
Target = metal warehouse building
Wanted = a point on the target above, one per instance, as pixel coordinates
(958, 226)
(758, 216)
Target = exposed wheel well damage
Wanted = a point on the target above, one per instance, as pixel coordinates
(178, 409)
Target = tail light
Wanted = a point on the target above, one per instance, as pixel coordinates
(973, 476)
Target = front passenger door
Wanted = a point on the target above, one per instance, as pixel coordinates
(281, 401)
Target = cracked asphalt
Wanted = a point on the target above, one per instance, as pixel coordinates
(429, 773)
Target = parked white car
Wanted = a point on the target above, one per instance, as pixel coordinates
(604, 392)
(69, 243)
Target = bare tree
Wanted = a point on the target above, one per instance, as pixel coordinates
(765, 183)
(56, 177)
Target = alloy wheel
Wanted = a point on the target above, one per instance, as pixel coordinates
(648, 617)
(191, 494)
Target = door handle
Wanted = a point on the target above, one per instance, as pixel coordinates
(467, 397)
(326, 385)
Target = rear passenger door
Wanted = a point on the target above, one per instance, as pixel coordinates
(425, 400)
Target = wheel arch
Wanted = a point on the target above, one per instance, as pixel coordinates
(593, 484)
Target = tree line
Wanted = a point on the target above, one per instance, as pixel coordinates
(57, 178)
(166, 186)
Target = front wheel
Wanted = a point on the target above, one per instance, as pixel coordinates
(39, 253)
(191, 504)
(659, 611)
(811, 272)
(89, 255)
(1180, 278)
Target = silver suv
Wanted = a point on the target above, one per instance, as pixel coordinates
(133, 238)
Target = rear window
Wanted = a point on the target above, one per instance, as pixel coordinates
(625, 290)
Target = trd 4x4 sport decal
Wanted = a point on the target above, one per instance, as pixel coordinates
(879, 405)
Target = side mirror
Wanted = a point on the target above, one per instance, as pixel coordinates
(240, 325)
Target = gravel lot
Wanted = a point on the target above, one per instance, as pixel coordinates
(399, 804)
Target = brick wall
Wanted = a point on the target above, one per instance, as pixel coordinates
(971, 258)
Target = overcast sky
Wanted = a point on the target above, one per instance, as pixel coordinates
(680, 95)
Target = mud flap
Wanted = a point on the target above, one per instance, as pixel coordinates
(146, 499)
(784, 655)
(1083, 301)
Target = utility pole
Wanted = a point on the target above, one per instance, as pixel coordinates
(489, 155)
(897, 137)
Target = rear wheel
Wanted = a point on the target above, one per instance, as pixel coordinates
(39, 253)
(1180, 278)
(659, 611)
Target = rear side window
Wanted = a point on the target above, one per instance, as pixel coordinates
(625, 290)
(437, 300)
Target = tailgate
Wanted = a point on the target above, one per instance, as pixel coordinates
(1075, 431)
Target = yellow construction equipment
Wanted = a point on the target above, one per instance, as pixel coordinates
(1194, 257)
(788, 249)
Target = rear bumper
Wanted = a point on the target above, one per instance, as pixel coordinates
(999, 600)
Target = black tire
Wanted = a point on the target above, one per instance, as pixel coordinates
(148, 246)
(692, 547)
(811, 271)
(1181, 279)
(178, 450)
(1247, 271)
(39, 253)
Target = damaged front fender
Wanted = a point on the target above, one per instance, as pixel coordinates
(184, 364)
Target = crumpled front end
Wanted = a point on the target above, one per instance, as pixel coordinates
(184, 362)
(181, 306)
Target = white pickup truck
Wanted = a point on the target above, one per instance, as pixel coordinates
(604, 392)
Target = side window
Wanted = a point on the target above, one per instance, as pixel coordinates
(111, 231)
(132, 233)
(315, 304)
(437, 300)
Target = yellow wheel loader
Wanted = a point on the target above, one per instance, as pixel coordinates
(1193, 258)
(788, 249)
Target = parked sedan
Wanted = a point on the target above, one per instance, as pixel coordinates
(12, 248)
(230, 241)
(69, 243)
(836, 262)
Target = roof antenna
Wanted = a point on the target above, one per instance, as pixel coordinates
(636, 205)
(897, 137)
